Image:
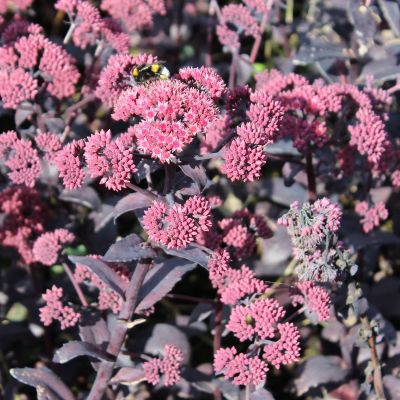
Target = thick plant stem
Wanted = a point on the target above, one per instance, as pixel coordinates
(378, 384)
(105, 371)
(233, 70)
(312, 186)
(257, 42)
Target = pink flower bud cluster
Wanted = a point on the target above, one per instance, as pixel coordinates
(48, 246)
(107, 299)
(313, 229)
(54, 310)
(254, 317)
(32, 63)
(89, 28)
(371, 215)
(236, 19)
(237, 234)
(134, 14)
(244, 157)
(24, 216)
(178, 225)
(314, 298)
(309, 106)
(168, 367)
(21, 159)
(106, 158)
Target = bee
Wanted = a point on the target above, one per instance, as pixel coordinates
(149, 72)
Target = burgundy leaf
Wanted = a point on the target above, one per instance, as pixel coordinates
(129, 248)
(261, 394)
(128, 376)
(97, 334)
(132, 202)
(48, 385)
(103, 271)
(85, 196)
(319, 370)
(74, 349)
(197, 173)
(161, 279)
(189, 253)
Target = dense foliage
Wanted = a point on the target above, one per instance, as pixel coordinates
(199, 199)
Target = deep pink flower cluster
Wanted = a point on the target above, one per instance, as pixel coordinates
(239, 17)
(49, 144)
(168, 366)
(48, 246)
(30, 58)
(237, 233)
(106, 158)
(178, 225)
(232, 284)
(371, 215)
(89, 28)
(307, 107)
(54, 310)
(258, 319)
(315, 299)
(107, 299)
(20, 158)
(312, 229)
(172, 113)
(24, 216)
(134, 14)
(245, 155)
(244, 369)
(17, 28)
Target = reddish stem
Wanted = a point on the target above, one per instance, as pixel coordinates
(105, 371)
(75, 284)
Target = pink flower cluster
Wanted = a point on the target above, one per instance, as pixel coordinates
(168, 366)
(32, 63)
(89, 28)
(106, 158)
(54, 310)
(244, 369)
(134, 14)
(314, 298)
(371, 216)
(238, 17)
(312, 229)
(245, 156)
(308, 106)
(178, 225)
(108, 299)
(237, 234)
(48, 246)
(254, 317)
(24, 216)
(20, 158)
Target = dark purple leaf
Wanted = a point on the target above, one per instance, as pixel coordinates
(244, 69)
(391, 12)
(129, 376)
(95, 332)
(190, 253)
(161, 279)
(129, 248)
(392, 385)
(132, 202)
(197, 173)
(71, 350)
(103, 217)
(103, 271)
(24, 112)
(201, 312)
(319, 370)
(261, 394)
(162, 334)
(276, 190)
(85, 196)
(56, 125)
(145, 167)
(49, 386)
(382, 69)
(282, 147)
